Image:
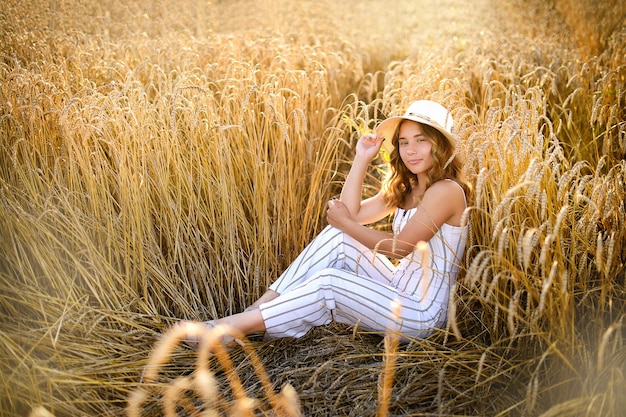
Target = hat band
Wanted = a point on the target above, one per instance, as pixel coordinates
(427, 118)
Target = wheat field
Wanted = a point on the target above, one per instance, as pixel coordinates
(168, 159)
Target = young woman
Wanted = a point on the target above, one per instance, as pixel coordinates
(346, 273)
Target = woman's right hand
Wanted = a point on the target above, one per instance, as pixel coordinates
(368, 146)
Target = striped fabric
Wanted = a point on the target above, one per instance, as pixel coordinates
(337, 278)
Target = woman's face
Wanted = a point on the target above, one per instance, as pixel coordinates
(415, 148)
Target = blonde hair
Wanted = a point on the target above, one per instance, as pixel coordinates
(446, 165)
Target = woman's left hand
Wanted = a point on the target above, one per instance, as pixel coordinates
(337, 214)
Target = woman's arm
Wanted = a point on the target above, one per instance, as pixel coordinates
(371, 209)
(443, 202)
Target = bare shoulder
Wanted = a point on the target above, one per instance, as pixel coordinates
(448, 199)
(445, 189)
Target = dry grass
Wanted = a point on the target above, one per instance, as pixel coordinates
(168, 159)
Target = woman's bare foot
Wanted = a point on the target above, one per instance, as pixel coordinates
(193, 337)
(247, 323)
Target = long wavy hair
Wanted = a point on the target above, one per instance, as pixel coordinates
(446, 165)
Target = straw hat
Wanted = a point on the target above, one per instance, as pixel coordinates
(422, 111)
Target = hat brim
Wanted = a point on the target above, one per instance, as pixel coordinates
(388, 127)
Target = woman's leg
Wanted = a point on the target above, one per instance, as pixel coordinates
(332, 248)
(269, 295)
(331, 294)
(342, 296)
(248, 322)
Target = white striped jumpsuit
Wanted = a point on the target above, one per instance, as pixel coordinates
(337, 278)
